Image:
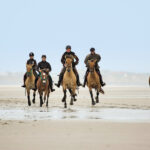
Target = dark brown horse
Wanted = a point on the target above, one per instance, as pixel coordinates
(43, 87)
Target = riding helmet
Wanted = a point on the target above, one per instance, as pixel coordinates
(31, 54)
(43, 56)
(92, 49)
(68, 47)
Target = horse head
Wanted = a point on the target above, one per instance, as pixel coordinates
(43, 76)
(91, 65)
(68, 64)
(29, 69)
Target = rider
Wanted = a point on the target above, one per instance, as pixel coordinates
(94, 56)
(74, 63)
(31, 61)
(45, 65)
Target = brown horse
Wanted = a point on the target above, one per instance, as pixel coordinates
(43, 87)
(93, 81)
(30, 83)
(69, 82)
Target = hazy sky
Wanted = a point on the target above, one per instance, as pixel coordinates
(118, 29)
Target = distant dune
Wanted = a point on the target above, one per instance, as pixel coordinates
(110, 77)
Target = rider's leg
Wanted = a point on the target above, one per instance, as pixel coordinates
(51, 83)
(85, 77)
(61, 77)
(77, 76)
(100, 77)
(24, 80)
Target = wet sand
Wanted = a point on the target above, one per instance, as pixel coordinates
(74, 135)
(106, 131)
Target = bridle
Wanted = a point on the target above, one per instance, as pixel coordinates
(68, 67)
(43, 77)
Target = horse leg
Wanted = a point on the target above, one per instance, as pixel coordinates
(45, 96)
(34, 94)
(91, 93)
(47, 99)
(64, 98)
(41, 100)
(74, 93)
(97, 97)
(72, 98)
(29, 102)
(47, 93)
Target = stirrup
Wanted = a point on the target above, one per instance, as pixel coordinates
(103, 84)
(57, 84)
(79, 84)
(52, 90)
(23, 86)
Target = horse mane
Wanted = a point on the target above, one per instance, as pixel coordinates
(69, 56)
(92, 60)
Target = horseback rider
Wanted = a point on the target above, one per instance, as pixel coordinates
(74, 63)
(44, 65)
(31, 61)
(93, 56)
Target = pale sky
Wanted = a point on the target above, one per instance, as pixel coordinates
(118, 29)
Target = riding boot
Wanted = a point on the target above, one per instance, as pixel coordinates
(60, 77)
(77, 76)
(24, 80)
(100, 77)
(36, 79)
(85, 78)
(51, 84)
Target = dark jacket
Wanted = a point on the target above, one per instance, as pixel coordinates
(72, 55)
(32, 62)
(44, 65)
(92, 56)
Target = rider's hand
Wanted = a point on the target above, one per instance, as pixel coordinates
(47, 70)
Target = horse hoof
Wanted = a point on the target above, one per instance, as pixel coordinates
(65, 106)
(93, 103)
(97, 99)
(29, 103)
(33, 101)
(75, 99)
(71, 103)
